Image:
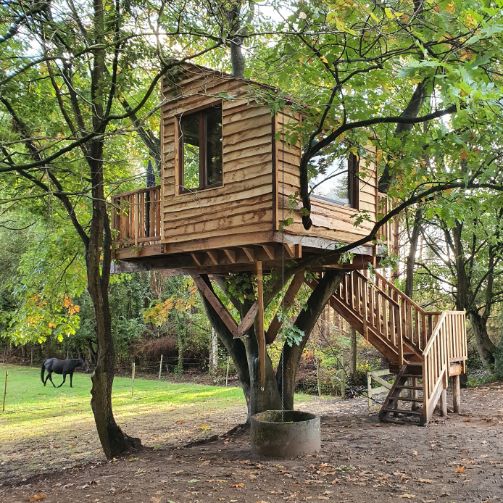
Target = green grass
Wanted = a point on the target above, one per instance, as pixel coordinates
(33, 410)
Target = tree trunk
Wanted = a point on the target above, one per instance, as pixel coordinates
(411, 258)
(486, 348)
(290, 358)
(113, 441)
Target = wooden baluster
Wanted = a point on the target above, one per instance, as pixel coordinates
(151, 217)
(385, 318)
(371, 305)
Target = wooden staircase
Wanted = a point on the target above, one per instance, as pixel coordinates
(423, 348)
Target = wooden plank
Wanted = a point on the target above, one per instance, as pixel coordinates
(217, 305)
(248, 320)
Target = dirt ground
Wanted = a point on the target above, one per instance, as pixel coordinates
(458, 459)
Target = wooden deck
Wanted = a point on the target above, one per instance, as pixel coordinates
(140, 242)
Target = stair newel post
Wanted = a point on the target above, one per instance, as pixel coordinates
(426, 390)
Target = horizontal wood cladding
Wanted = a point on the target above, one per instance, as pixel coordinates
(243, 205)
(261, 179)
(330, 220)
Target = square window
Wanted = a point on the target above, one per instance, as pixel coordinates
(201, 149)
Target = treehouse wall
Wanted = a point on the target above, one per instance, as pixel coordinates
(241, 210)
(330, 220)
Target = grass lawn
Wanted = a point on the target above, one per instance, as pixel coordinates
(33, 410)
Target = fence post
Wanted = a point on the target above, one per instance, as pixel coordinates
(5, 390)
(160, 368)
(227, 371)
(133, 372)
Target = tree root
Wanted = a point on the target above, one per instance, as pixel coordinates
(239, 429)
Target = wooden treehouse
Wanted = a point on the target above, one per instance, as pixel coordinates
(228, 202)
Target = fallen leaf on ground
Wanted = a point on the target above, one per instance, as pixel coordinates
(38, 497)
(460, 469)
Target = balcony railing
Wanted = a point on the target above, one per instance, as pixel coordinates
(137, 217)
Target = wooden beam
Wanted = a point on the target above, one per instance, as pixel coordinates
(290, 250)
(247, 320)
(216, 304)
(260, 326)
(287, 301)
(196, 259)
(212, 254)
(269, 250)
(293, 250)
(230, 254)
(249, 253)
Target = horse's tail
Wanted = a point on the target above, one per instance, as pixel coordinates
(42, 371)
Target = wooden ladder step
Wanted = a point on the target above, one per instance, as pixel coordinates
(403, 411)
(403, 386)
(408, 399)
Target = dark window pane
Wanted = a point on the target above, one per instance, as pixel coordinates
(190, 126)
(214, 146)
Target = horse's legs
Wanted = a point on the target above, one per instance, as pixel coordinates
(64, 379)
(71, 379)
(49, 376)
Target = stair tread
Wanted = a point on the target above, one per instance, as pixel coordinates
(409, 399)
(403, 386)
(404, 411)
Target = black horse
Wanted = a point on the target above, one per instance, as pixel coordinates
(61, 367)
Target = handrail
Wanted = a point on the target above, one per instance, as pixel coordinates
(137, 217)
(404, 296)
(435, 367)
(376, 311)
(447, 344)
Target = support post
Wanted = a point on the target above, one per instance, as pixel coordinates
(354, 353)
(5, 390)
(260, 325)
(160, 367)
(227, 371)
(456, 394)
(443, 403)
(133, 372)
(213, 357)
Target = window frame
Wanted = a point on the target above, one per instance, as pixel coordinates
(203, 144)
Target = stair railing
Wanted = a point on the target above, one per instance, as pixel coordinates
(417, 323)
(446, 345)
(378, 313)
(435, 366)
